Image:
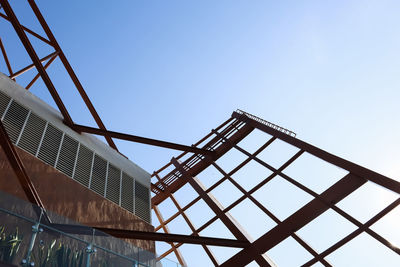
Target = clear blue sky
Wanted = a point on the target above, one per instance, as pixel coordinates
(173, 70)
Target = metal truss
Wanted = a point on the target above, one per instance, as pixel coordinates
(37, 63)
(183, 171)
(227, 137)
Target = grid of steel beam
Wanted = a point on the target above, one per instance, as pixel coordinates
(320, 201)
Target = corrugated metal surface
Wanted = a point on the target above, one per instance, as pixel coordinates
(83, 165)
(48, 150)
(32, 134)
(99, 174)
(127, 196)
(113, 183)
(66, 158)
(4, 101)
(14, 120)
(142, 202)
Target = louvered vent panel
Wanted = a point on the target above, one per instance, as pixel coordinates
(113, 183)
(4, 100)
(99, 173)
(127, 192)
(142, 202)
(32, 134)
(51, 143)
(66, 159)
(83, 165)
(14, 120)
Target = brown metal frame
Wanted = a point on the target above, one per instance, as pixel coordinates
(42, 72)
(228, 138)
(196, 159)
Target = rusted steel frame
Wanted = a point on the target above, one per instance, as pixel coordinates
(159, 180)
(187, 206)
(3, 51)
(70, 71)
(48, 63)
(262, 183)
(241, 198)
(319, 153)
(355, 233)
(139, 139)
(196, 144)
(31, 66)
(333, 207)
(178, 254)
(29, 31)
(201, 228)
(227, 209)
(296, 221)
(218, 152)
(28, 46)
(194, 160)
(19, 170)
(269, 213)
(226, 219)
(194, 231)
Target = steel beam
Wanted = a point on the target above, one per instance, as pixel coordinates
(3, 50)
(142, 235)
(138, 139)
(70, 71)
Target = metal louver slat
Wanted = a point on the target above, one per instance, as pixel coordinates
(4, 101)
(14, 120)
(83, 165)
(32, 134)
(99, 172)
(113, 184)
(66, 159)
(50, 145)
(142, 202)
(127, 197)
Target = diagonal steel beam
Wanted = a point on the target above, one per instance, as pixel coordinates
(31, 66)
(37, 76)
(19, 170)
(303, 216)
(29, 31)
(3, 50)
(35, 59)
(226, 218)
(328, 157)
(138, 139)
(142, 235)
(70, 71)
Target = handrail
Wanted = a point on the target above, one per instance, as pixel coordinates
(269, 124)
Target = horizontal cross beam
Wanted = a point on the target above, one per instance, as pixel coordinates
(142, 235)
(142, 140)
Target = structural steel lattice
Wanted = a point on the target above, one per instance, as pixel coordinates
(183, 169)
